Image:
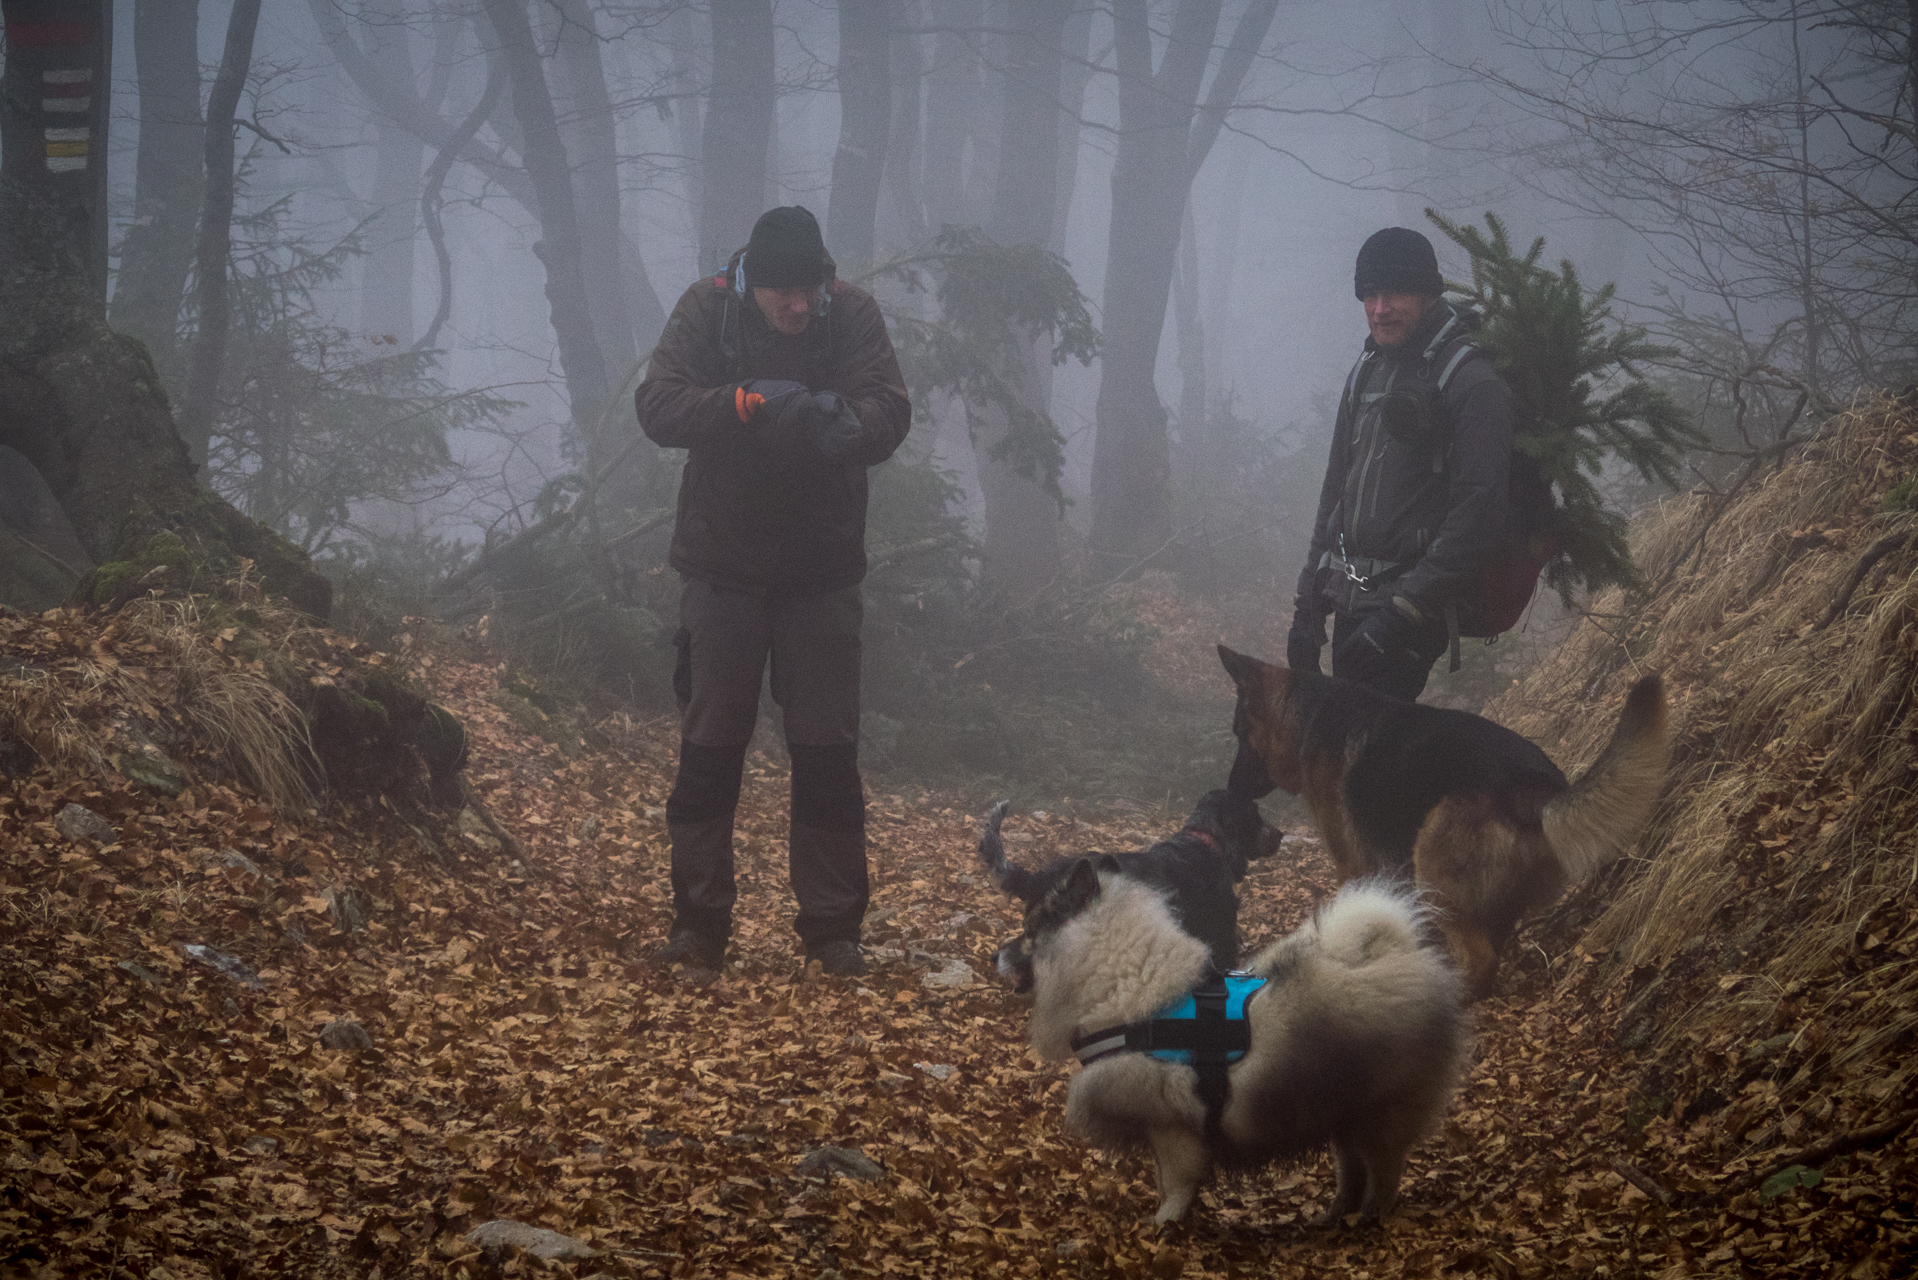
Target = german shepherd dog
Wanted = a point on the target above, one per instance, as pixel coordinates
(1484, 820)
(1196, 868)
(1357, 1038)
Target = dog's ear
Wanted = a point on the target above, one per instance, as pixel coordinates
(1079, 889)
(1243, 668)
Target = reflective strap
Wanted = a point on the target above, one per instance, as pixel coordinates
(1098, 1046)
(1451, 366)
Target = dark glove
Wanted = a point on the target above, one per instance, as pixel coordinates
(832, 426)
(1383, 638)
(1307, 636)
(770, 402)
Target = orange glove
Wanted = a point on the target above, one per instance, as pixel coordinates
(746, 403)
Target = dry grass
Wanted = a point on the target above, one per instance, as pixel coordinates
(1786, 825)
(231, 709)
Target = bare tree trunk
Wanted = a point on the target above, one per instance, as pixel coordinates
(1022, 555)
(386, 292)
(77, 400)
(1164, 135)
(739, 122)
(168, 177)
(559, 248)
(211, 255)
(865, 119)
(953, 91)
(1075, 74)
(686, 102)
(902, 147)
(624, 304)
(1218, 302)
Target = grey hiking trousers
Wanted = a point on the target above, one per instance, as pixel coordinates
(725, 638)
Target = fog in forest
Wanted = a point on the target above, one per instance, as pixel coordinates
(457, 229)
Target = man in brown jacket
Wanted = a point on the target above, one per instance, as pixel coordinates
(780, 382)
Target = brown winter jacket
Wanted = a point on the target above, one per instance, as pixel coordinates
(755, 510)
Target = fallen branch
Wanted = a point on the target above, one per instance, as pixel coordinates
(488, 559)
(1811, 1157)
(1873, 554)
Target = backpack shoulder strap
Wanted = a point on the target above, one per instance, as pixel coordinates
(1464, 350)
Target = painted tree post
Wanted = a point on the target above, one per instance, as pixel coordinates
(54, 117)
(81, 403)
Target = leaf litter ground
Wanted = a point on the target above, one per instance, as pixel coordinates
(160, 1118)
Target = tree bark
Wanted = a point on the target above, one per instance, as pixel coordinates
(1164, 135)
(738, 129)
(1022, 553)
(622, 299)
(78, 401)
(169, 177)
(215, 246)
(559, 250)
(865, 120)
(902, 147)
(386, 291)
(953, 92)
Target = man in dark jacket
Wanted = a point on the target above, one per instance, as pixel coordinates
(780, 383)
(1414, 501)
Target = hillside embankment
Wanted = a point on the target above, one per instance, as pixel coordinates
(248, 1030)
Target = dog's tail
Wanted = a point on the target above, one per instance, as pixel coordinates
(1016, 881)
(1371, 919)
(1593, 822)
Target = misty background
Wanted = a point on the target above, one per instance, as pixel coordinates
(457, 229)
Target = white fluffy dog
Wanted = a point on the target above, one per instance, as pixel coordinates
(1357, 1037)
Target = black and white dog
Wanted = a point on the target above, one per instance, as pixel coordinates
(1349, 1032)
(1196, 869)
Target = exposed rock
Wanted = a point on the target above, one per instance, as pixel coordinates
(232, 966)
(141, 972)
(77, 822)
(261, 1145)
(473, 830)
(348, 907)
(343, 1035)
(152, 768)
(498, 1236)
(892, 1081)
(847, 1162)
(956, 973)
(229, 860)
(937, 1070)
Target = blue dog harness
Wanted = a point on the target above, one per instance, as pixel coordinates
(1205, 1029)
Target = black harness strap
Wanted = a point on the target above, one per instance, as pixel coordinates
(1209, 1036)
(1209, 999)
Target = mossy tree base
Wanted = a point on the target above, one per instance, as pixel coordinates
(85, 406)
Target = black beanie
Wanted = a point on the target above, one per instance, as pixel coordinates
(1397, 260)
(786, 250)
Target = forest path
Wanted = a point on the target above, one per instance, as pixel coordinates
(161, 1118)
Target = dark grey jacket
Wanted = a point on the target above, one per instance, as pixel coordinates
(756, 510)
(1415, 502)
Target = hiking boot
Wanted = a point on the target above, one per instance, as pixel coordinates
(842, 958)
(689, 948)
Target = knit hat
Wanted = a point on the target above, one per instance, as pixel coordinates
(1397, 260)
(786, 250)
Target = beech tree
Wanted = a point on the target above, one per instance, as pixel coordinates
(1168, 119)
